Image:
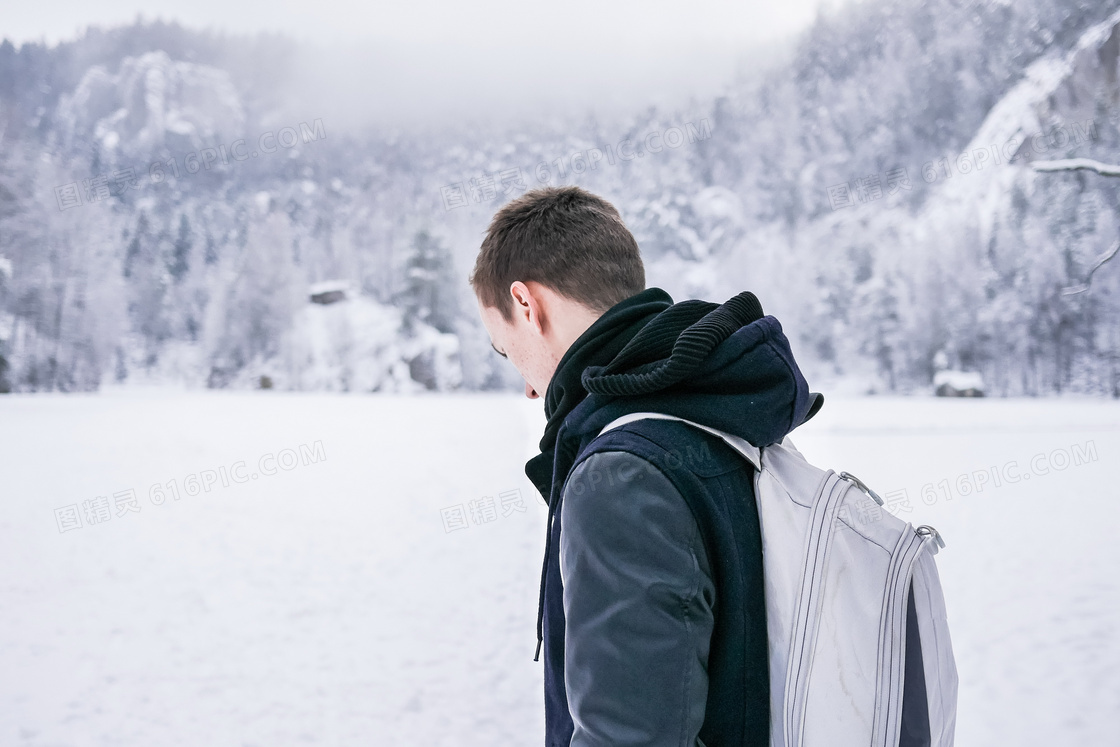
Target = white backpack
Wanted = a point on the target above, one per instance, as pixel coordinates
(839, 612)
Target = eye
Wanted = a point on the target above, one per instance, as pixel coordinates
(499, 352)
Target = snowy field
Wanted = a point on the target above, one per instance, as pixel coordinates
(317, 591)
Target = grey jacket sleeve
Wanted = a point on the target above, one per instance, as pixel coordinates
(638, 606)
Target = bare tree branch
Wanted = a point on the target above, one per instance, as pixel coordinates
(1074, 289)
(1076, 164)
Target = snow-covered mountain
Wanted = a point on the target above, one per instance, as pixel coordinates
(874, 186)
(982, 267)
(151, 102)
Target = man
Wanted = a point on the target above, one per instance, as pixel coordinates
(651, 613)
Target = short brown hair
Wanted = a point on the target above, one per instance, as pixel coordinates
(565, 238)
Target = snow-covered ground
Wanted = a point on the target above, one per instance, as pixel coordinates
(327, 603)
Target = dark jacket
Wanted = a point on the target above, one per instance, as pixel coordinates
(652, 613)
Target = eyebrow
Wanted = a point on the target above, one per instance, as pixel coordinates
(499, 352)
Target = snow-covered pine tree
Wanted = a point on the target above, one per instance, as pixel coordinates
(429, 294)
(262, 289)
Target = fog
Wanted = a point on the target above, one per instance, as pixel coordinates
(435, 65)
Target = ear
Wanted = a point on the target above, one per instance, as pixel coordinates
(528, 304)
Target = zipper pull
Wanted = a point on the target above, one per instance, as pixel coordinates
(925, 530)
(859, 484)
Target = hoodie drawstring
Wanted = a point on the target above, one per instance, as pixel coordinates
(544, 573)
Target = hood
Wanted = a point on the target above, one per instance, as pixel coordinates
(732, 369)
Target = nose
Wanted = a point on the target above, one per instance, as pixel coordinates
(530, 392)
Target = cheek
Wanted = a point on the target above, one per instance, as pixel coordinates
(531, 363)
(540, 367)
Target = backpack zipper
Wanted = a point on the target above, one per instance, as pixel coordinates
(805, 625)
(911, 543)
(926, 530)
(860, 484)
(892, 632)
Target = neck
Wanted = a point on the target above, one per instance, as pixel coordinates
(569, 326)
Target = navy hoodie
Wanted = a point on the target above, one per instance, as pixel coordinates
(727, 366)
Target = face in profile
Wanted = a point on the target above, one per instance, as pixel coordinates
(517, 343)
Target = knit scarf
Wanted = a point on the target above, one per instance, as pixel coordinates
(641, 345)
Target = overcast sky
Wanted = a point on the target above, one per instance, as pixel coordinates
(438, 58)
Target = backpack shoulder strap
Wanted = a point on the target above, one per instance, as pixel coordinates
(752, 453)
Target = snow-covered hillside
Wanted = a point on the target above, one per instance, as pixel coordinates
(151, 101)
(163, 190)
